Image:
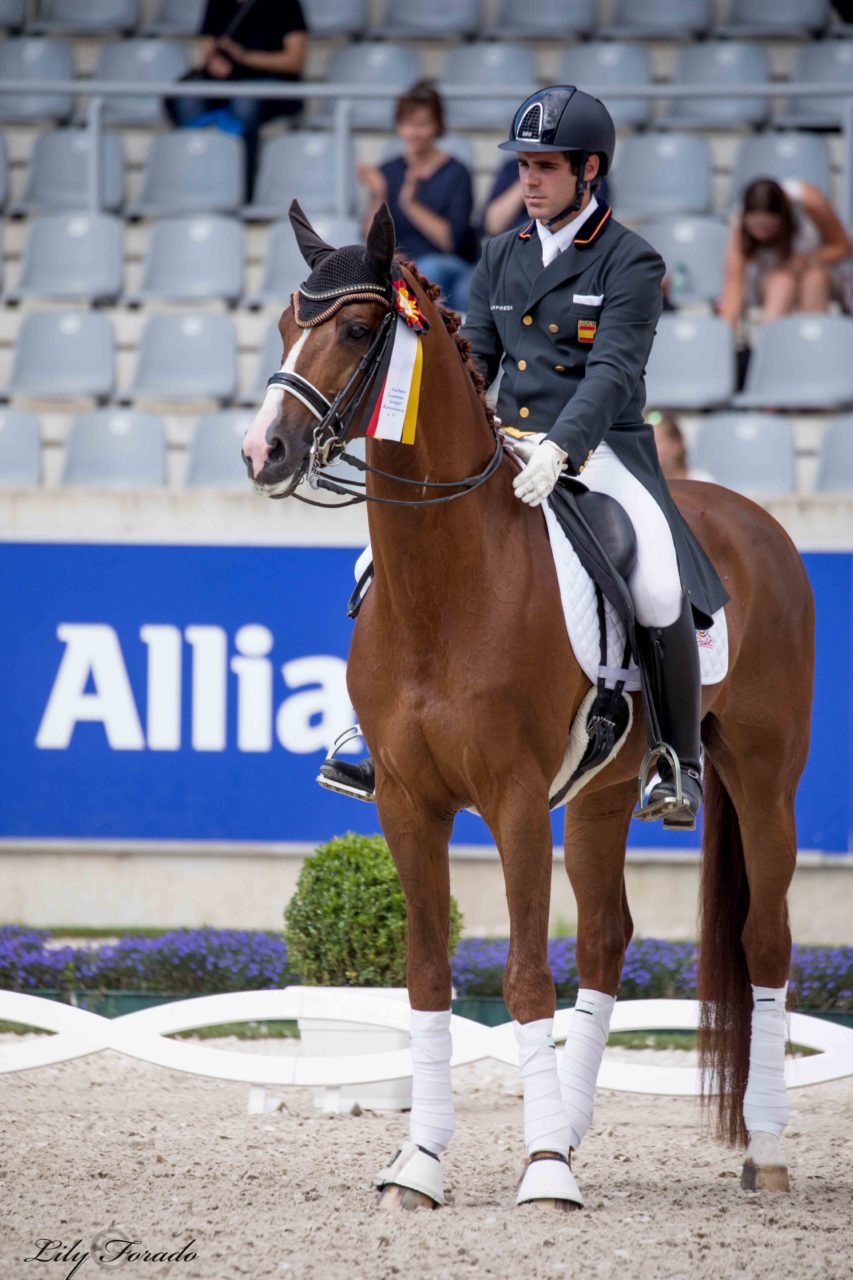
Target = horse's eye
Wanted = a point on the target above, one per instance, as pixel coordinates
(357, 331)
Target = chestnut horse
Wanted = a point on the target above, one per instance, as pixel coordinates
(465, 687)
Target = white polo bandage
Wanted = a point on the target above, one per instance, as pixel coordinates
(545, 1126)
(765, 1103)
(431, 1120)
(581, 1058)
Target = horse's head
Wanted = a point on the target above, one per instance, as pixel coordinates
(330, 327)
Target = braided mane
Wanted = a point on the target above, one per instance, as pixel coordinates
(452, 321)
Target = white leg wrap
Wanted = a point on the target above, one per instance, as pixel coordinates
(431, 1119)
(588, 1032)
(545, 1126)
(765, 1104)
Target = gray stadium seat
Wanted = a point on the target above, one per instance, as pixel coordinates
(458, 145)
(436, 19)
(72, 255)
(752, 453)
(4, 171)
(779, 156)
(86, 17)
(778, 18)
(58, 175)
(139, 60)
(186, 357)
(335, 17)
(116, 448)
(492, 65)
(659, 19)
(543, 20)
(269, 362)
(175, 18)
(29, 59)
(824, 62)
(692, 363)
(302, 164)
(284, 266)
(20, 447)
(835, 457)
(802, 361)
(716, 63)
(681, 165)
(12, 14)
(694, 251)
(214, 460)
(610, 62)
(192, 171)
(189, 259)
(371, 62)
(62, 355)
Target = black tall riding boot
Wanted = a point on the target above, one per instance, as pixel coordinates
(672, 657)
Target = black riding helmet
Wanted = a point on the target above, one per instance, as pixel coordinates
(564, 118)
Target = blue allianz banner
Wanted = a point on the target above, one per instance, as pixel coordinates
(189, 693)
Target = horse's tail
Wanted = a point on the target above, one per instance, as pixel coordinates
(723, 980)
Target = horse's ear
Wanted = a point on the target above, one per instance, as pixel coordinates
(313, 249)
(381, 240)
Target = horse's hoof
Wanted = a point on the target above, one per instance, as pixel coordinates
(764, 1167)
(393, 1197)
(413, 1179)
(764, 1177)
(548, 1180)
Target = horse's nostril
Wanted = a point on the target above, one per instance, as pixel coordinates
(275, 446)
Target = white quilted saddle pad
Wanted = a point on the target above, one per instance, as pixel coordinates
(577, 592)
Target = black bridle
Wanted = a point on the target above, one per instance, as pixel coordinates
(335, 420)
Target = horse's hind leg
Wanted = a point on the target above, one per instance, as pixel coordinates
(418, 840)
(756, 773)
(596, 834)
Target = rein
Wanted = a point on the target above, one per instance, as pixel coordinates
(335, 420)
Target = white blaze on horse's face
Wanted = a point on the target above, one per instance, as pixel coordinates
(256, 445)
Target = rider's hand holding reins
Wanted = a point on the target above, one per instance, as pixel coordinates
(535, 482)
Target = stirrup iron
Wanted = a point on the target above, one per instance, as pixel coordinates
(671, 806)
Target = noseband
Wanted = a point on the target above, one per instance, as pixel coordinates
(335, 420)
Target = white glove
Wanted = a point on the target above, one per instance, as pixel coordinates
(523, 448)
(535, 482)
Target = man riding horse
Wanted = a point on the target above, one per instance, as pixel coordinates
(567, 306)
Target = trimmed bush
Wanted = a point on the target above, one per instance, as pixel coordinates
(345, 925)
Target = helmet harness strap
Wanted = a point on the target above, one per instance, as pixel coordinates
(580, 187)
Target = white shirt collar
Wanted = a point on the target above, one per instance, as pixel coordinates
(566, 234)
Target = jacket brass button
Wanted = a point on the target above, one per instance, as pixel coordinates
(527, 319)
(525, 413)
(522, 364)
(559, 368)
(553, 328)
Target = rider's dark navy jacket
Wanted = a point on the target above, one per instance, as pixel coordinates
(574, 338)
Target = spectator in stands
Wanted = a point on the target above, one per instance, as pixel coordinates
(429, 194)
(259, 40)
(788, 251)
(671, 447)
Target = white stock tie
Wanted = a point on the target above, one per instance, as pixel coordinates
(550, 249)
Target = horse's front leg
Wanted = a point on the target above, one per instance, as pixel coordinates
(522, 829)
(596, 834)
(419, 840)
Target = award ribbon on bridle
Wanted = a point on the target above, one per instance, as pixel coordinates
(395, 413)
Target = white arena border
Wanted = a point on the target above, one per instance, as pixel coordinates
(141, 1035)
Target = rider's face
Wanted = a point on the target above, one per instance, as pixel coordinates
(548, 182)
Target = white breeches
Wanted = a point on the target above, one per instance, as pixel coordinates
(654, 582)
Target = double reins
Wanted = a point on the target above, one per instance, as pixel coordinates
(335, 420)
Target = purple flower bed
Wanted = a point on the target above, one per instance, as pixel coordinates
(206, 961)
(821, 977)
(195, 961)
